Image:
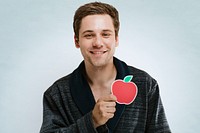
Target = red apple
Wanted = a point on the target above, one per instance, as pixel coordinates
(124, 90)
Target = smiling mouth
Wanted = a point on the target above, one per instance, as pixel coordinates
(98, 52)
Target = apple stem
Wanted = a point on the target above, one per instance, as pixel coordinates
(128, 78)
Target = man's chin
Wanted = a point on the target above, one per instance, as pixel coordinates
(98, 64)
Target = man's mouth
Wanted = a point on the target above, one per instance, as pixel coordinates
(98, 52)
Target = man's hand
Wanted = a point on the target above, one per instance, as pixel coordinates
(104, 109)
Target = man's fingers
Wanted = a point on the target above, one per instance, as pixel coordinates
(104, 109)
(109, 104)
(111, 110)
(105, 105)
(107, 115)
(108, 98)
(109, 107)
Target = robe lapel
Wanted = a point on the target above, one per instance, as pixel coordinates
(82, 94)
(122, 71)
(80, 90)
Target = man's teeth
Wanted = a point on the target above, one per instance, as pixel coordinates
(98, 52)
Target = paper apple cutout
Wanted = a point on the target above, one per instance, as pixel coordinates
(124, 90)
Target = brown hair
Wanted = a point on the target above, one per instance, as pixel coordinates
(93, 9)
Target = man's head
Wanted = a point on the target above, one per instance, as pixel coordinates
(95, 8)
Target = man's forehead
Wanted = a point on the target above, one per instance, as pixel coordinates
(97, 22)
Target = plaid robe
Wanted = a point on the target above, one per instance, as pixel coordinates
(68, 104)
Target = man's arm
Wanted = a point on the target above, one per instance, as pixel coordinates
(53, 121)
(156, 121)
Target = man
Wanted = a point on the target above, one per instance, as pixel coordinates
(82, 101)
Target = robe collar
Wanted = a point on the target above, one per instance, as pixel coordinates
(82, 94)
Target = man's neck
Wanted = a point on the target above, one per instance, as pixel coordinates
(100, 76)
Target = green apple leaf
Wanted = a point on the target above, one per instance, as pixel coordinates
(128, 78)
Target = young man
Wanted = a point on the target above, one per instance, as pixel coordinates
(82, 101)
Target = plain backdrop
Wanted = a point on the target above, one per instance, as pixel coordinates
(37, 48)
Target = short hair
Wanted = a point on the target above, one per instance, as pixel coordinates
(95, 8)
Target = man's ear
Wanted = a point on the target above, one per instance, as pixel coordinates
(116, 41)
(76, 42)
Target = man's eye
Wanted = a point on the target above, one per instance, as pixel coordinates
(88, 36)
(106, 34)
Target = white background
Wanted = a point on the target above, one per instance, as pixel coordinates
(37, 48)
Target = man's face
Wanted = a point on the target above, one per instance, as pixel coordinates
(97, 40)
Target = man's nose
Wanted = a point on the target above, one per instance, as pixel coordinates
(98, 42)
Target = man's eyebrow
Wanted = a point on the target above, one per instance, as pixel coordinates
(107, 30)
(87, 31)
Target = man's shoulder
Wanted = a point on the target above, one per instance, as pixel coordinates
(143, 79)
(60, 85)
(63, 80)
(139, 74)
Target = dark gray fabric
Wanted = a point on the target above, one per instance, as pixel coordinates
(145, 115)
